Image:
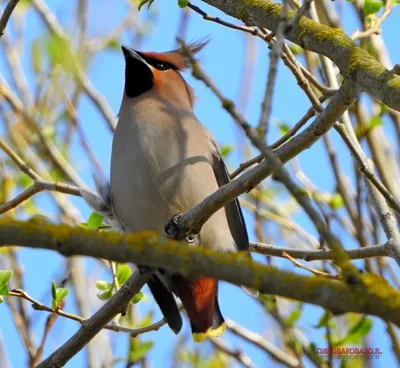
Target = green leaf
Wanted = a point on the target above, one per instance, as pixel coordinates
(294, 316)
(138, 297)
(373, 123)
(123, 273)
(143, 2)
(4, 290)
(103, 285)
(325, 321)
(1, 299)
(336, 201)
(54, 304)
(140, 351)
(105, 295)
(54, 290)
(356, 333)
(61, 293)
(372, 6)
(183, 3)
(95, 221)
(226, 150)
(5, 276)
(284, 128)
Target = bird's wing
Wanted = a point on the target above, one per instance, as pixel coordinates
(233, 211)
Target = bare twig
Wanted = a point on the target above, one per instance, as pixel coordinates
(110, 326)
(380, 250)
(235, 353)
(252, 30)
(7, 14)
(312, 270)
(39, 184)
(375, 29)
(94, 324)
(98, 100)
(257, 340)
(273, 66)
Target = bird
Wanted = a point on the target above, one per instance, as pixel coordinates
(164, 161)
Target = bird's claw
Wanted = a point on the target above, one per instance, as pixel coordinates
(174, 230)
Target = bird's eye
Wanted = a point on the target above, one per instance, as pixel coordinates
(162, 66)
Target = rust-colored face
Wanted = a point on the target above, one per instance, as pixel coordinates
(159, 72)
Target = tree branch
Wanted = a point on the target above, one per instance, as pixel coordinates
(370, 294)
(353, 62)
(92, 326)
(7, 14)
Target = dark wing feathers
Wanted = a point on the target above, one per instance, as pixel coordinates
(233, 211)
(167, 303)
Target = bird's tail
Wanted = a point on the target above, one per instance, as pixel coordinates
(167, 303)
(217, 329)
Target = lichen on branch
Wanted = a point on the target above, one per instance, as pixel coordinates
(371, 294)
(353, 62)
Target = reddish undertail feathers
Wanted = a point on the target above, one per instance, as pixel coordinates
(164, 161)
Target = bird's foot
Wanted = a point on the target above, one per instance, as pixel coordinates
(174, 230)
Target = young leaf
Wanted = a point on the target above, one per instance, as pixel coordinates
(123, 273)
(105, 295)
(61, 293)
(294, 316)
(95, 221)
(226, 150)
(1, 299)
(53, 290)
(140, 351)
(103, 285)
(5, 276)
(4, 290)
(143, 2)
(183, 3)
(372, 6)
(138, 297)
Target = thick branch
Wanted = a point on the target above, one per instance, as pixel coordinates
(353, 62)
(371, 295)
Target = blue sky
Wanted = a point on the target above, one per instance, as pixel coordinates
(223, 60)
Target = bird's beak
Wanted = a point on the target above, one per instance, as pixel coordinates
(131, 55)
(139, 76)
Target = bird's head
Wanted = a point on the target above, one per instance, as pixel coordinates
(158, 73)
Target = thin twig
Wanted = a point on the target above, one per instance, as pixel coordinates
(94, 324)
(375, 29)
(257, 340)
(235, 353)
(312, 270)
(39, 184)
(380, 250)
(273, 66)
(6, 15)
(133, 332)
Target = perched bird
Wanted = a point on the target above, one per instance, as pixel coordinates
(164, 162)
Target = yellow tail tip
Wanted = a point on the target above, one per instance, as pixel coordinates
(200, 336)
(216, 332)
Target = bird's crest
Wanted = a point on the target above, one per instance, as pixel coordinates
(177, 57)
